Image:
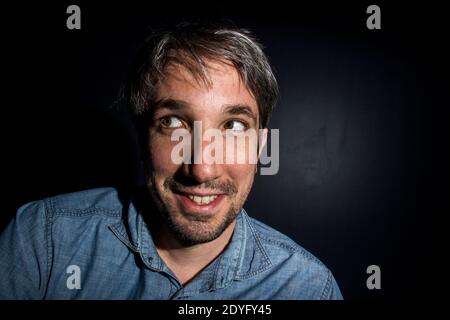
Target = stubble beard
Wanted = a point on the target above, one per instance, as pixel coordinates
(190, 229)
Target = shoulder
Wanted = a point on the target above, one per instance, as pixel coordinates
(300, 267)
(45, 233)
(98, 201)
(277, 242)
(92, 203)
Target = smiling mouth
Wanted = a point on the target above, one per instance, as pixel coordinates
(199, 201)
(202, 200)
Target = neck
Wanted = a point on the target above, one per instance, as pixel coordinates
(187, 261)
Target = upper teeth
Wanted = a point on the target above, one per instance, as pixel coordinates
(202, 200)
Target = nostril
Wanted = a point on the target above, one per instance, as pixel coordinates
(204, 172)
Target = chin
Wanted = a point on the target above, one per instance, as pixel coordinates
(191, 229)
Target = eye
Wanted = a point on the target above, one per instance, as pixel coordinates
(170, 122)
(235, 125)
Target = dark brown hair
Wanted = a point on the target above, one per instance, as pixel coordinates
(190, 45)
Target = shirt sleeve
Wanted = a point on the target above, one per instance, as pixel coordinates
(332, 291)
(24, 254)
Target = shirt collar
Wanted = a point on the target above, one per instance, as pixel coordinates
(243, 258)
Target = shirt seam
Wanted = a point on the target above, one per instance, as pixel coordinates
(297, 249)
(122, 238)
(86, 212)
(326, 291)
(268, 262)
(48, 210)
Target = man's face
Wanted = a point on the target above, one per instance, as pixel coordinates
(199, 201)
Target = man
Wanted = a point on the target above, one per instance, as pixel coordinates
(185, 235)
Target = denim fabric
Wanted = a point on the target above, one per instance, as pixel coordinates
(109, 240)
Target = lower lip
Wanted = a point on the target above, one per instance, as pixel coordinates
(192, 206)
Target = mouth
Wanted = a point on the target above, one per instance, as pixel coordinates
(200, 202)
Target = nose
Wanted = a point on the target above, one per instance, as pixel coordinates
(201, 169)
(202, 172)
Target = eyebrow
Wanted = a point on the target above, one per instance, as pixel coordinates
(171, 104)
(240, 109)
(233, 109)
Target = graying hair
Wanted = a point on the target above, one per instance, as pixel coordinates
(190, 45)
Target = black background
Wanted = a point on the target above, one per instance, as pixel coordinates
(362, 115)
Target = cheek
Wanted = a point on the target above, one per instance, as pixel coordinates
(242, 149)
(242, 175)
(160, 149)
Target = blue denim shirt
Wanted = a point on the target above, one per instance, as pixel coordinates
(108, 241)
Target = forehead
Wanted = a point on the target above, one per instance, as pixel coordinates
(225, 87)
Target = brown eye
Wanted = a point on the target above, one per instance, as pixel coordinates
(171, 122)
